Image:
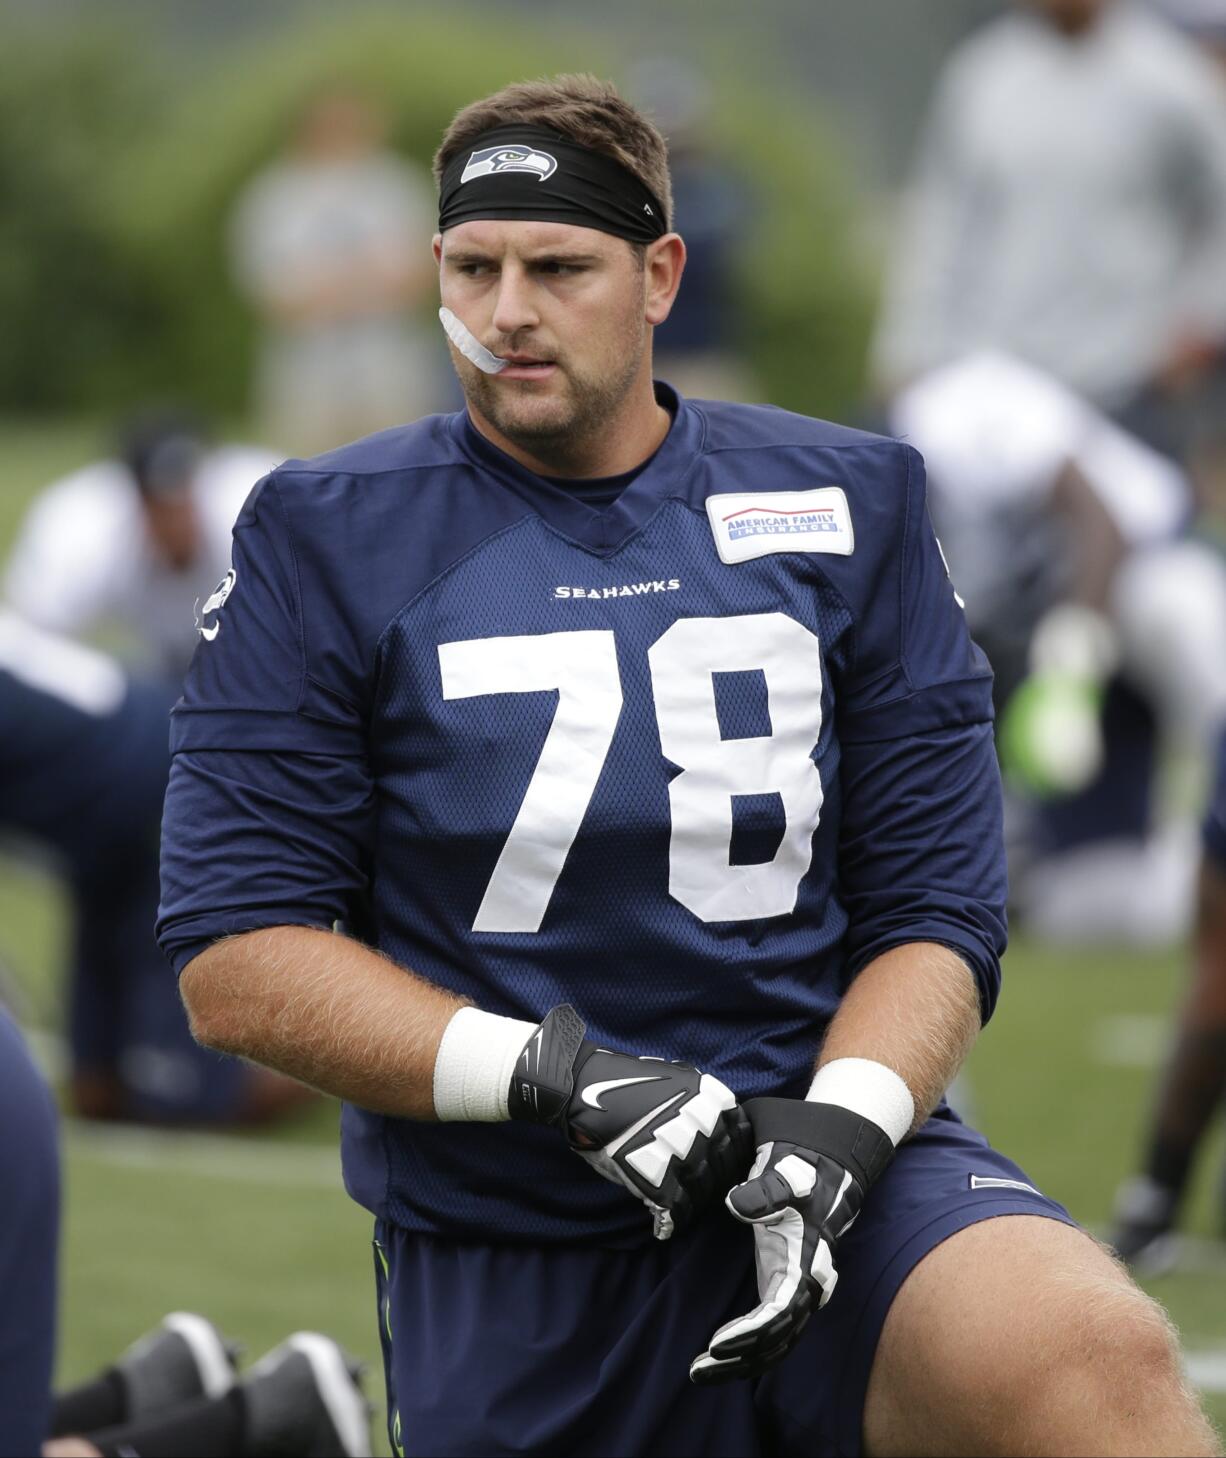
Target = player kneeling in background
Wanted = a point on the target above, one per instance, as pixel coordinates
(124, 546)
(1105, 622)
(593, 698)
(83, 766)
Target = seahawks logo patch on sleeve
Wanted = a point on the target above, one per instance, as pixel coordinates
(213, 604)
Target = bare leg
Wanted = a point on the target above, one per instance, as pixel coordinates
(1021, 1335)
(1192, 1085)
(1196, 1076)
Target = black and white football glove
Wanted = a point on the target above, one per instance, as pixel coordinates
(675, 1137)
(814, 1165)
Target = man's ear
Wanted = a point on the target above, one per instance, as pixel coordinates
(664, 265)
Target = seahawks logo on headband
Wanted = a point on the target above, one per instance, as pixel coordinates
(531, 174)
(509, 159)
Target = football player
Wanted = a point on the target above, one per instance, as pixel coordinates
(83, 767)
(1194, 1081)
(29, 1231)
(125, 544)
(644, 742)
(1105, 622)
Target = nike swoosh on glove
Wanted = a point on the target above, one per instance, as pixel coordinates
(674, 1137)
(814, 1166)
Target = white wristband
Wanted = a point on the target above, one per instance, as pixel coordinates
(866, 1088)
(476, 1058)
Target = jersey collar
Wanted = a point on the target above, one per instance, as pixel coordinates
(601, 530)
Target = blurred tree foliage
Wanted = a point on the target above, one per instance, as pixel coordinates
(113, 254)
(75, 312)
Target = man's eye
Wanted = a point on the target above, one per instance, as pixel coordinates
(472, 270)
(555, 267)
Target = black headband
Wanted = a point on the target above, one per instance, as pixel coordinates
(534, 175)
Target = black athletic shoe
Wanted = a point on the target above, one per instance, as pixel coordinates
(304, 1398)
(182, 1359)
(1143, 1235)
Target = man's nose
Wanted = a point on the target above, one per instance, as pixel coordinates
(515, 306)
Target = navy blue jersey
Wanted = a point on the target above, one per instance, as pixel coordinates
(687, 761)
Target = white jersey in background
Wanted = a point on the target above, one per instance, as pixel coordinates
(996, 433)
(87, 680)
(83, 562)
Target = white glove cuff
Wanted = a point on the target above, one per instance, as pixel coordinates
(866, 1088)
(476, 1058)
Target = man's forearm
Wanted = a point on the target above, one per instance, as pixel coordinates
(325, 1009)
(915, 1009)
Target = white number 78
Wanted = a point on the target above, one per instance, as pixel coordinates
(583, 667)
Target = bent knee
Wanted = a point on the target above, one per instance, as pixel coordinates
(1048, 1347)
(1102, 1373)
(1103, 1348)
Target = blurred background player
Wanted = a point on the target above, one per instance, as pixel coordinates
(1192, 1085)
(84, 759)
(125, 546)
(1105, 624)
(1069, 207)
(331, 247)
(700, 347)
(29, 1232)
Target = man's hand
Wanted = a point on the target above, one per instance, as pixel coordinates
(673, 1136)
(814, 1165)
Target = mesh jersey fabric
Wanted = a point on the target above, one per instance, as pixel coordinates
(428, 651)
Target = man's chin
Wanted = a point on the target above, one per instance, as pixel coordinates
(525, 421)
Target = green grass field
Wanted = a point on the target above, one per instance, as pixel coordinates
(257, 1232)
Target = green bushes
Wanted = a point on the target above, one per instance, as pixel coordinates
(114, 278)
(74, 311)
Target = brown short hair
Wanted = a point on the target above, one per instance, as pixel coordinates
(579, 107)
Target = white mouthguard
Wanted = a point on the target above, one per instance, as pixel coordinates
(469, 345)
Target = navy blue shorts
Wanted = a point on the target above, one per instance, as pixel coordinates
(575, 1350)
(29, 1229)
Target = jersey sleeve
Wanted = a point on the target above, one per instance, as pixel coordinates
(268, 811)
(921, 854)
